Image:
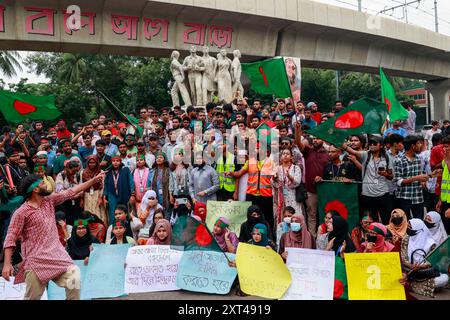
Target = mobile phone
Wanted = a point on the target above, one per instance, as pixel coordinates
(182, 201)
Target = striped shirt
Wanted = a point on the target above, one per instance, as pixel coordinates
(41, 249)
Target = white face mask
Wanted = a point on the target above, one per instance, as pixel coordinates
(287, 220)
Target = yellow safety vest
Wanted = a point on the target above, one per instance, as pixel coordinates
(227, 183)
(445, 184)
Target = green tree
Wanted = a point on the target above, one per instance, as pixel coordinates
(9, 62)
(73, 68)
(318, 85)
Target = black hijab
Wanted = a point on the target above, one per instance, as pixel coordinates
(340, 233)
(78, 248)
(247, 227)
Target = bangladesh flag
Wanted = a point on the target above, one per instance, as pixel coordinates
(263, 133)
(340, 280)
(395, 109)
(340, 197)
(18, 107)
(440, 257)
(191, 234)
(363, 116)
(122, 116)
(268, 77)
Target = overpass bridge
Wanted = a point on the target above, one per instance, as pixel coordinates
(321, 35)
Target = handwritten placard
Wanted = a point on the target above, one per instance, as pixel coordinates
(11, 291)
(206, 271)
(235, 211)
(59, 293)
(151, 268)
(374, 276)
(312, 274)
(105, 276)
(261, 271)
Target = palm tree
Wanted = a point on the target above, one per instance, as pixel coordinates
(72, 69)
(9, 62)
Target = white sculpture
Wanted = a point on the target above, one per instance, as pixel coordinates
(193, 64)
(236, 72)
(208, 84)
(177, 71)
(223, 77)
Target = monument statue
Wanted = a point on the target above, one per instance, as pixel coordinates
(177, 71)
(193, 64)
(223, 77)
(208, 84)
(236, 72)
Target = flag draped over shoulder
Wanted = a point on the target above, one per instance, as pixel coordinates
(363, 116)
(191, 234)
(122, 116)
(18, 107)
(395, 109)
(340, 197)
(268, 77)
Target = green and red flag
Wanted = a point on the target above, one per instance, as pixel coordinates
(340, 197)
(395, 109)
(263, 132)
(268, 77)
(440, 256)
(122, 116)
(364, 116)
(190, 234)
(340, 280)
(18, 107)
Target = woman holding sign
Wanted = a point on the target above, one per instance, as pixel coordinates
(226, 239)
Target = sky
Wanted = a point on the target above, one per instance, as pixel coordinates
(421, 14)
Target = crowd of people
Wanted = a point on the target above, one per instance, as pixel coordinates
(107, 183)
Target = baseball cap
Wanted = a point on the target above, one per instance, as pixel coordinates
(106, 132)
(310, 104)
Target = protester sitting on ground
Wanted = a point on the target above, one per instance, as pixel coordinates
(133, 224)
(183, 209)
(297, 237)
(434, 223)
(376, 239)
(398, 223)
(254, 216)
(416, 244)
(226, 239)
(162, 233)
(338, 238)
(64, 230)
(157, 215)
(200, 210)
(322, 232)
(260, 237)
(79, 245)
(283, 226)
(119, 228)
(358, 234)
(96, 226)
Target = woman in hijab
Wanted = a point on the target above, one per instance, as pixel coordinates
(416, 244)
(434, 223)
(397, 227)
(254, 216)
(226, 239)
(93, 197)
(96, 226)
(338, 239)
(283, 226)
(157, 215)
(162, 234)
(359, 232)
(79, 245)
(322, 231)
(376, 239)
(149, 205)
(297, 237)
(200, 210)
(260, 237)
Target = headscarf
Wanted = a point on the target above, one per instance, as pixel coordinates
(222, 223)
(166, 225)
(247, 227)
(380, 245)
(438, 231)
(145, 199)
(340, 232)
(423, 240)
(262, 229)
(197, 207)
(79, 247)
(88, 174)
(300, 239)
(399, 230)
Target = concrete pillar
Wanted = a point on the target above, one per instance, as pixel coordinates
(440, 90)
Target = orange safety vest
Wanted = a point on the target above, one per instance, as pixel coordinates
(259, 180)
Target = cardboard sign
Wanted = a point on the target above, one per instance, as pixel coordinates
(235, 211)
(11, 291)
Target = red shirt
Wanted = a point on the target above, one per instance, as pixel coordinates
(436, 157)
(317, 117)
(63, 134)
(41, 249)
